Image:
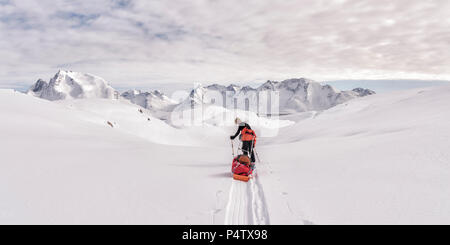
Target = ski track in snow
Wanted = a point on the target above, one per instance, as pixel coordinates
(246, 204)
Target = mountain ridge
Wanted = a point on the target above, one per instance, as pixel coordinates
(294, 95)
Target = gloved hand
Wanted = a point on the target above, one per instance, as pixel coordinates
(231, 138)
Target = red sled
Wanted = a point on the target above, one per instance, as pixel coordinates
(241, 177)
(241, 168)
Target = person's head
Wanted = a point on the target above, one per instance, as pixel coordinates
(237, 120)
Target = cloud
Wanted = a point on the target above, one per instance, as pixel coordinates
(136, 43)
(77, 19)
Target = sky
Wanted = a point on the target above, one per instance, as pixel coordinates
(136, 43)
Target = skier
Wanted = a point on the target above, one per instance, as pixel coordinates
(248, 138)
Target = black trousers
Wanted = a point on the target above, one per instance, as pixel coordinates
(247, 149)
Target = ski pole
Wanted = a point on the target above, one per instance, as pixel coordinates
(257, 156)
(232, 147)
(253, 148)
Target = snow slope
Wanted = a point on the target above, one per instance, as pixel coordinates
(63, 164)
(380, 159)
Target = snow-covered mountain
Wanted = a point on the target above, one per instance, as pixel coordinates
(363, 92)
(155, 101)
(72, 85)
(299, 95)
(295, 95)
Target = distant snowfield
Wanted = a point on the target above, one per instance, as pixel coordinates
(381, 159)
